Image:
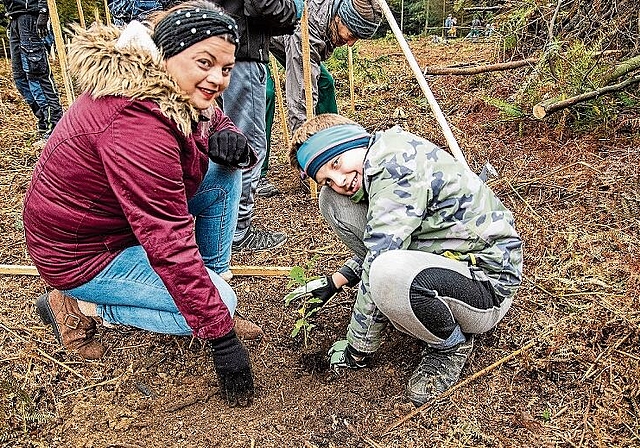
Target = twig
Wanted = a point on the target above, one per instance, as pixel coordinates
(45, 354)
(461, 384)
(366, 439)
(191, 401)
(91, 386)
(609, 349)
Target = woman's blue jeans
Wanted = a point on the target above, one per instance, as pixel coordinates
(129, 292)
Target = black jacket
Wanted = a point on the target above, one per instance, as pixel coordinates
(257, 21)
(16, 7)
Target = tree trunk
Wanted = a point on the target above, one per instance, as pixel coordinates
(479, 69)
(547, 107)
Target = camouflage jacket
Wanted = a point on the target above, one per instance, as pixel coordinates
(421, 198)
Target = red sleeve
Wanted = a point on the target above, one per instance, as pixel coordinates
(141, 158)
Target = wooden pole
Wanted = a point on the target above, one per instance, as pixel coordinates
(442, 121)
(107, 13)
(351, 83)
(60, 48)
(4, 48)
(257, 271)
(81, 13)
(275, 74)
(306, 73)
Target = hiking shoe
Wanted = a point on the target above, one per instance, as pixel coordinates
(266, 189)
(258, 239)
(71, 328)
(437, 372)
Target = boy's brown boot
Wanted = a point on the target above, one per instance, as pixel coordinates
(71, 328)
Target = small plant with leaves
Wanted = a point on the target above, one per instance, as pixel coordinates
(309, 305)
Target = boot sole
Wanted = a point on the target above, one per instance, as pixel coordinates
(46, 315)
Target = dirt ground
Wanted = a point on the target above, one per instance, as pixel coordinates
(567, 352)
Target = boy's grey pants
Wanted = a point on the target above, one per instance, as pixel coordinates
(431, 297)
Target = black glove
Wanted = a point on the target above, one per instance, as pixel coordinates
(321, 288)
(230, 149)
(231, 361)
(41, 24)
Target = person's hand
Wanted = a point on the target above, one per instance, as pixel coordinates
(341, 355)
(322, 288)
(231, 361)
(41, 24)
(229, 148)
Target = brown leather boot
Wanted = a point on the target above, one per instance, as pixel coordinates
(246, 329)
(71, 328)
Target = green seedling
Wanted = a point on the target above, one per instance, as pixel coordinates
(299, 276)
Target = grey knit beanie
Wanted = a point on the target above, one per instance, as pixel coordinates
(361, 17)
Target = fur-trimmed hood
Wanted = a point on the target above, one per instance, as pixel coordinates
(108, 61)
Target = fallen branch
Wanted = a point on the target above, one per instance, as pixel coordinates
(479, 69)
(623, 68)
(461, 384)
(257, 271)
(547, 107)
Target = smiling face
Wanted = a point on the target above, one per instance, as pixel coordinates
(203, 70)
(343, 173)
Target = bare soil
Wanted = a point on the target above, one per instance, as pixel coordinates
(577, 204)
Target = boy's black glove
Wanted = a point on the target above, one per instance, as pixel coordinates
(41, 24)
(231, 361)
(230, 148)
(321, 288)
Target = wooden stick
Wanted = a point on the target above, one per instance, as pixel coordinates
(351, 88)
(60, 48)
(256, 271)
(275, 74)
(448, 392)
(478, 69)
(107, 13)
(4, 48)
(431, 99)
(545, 108)
(81, 13)
(306, 73)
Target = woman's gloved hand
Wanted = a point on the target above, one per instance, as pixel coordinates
(231, 361)
(230, 148)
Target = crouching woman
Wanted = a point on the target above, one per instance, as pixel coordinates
(109, 213)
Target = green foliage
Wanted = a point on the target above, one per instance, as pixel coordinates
(508, 111)
(365, 70)
(18, 413)
(513, 25)
(299, 276)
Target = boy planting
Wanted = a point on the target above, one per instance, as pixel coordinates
(436, 252)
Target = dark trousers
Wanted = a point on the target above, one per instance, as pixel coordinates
(31, 71)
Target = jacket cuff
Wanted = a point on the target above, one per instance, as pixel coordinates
(216, 330)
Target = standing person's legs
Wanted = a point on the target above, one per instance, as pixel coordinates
(18, 63)
(265, 188)
(215, 208)
(326, 93)
(35, 64)
(129, 292)
(244, 102)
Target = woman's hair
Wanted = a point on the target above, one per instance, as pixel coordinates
(174, 30)
(310, 127)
